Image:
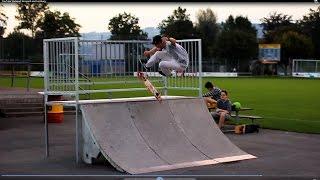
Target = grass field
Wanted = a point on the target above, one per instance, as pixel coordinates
(285, 103)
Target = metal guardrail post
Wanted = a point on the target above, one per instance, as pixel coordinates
(200, 68)
(12, 75)
(28, 80)
(78, 120)
(46, 87)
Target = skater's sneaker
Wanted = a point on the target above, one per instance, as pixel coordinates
(160, 72)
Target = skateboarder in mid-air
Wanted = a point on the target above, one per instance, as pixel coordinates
(171, 55)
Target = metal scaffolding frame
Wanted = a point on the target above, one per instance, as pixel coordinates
(75, 67)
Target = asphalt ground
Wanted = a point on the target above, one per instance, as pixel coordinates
(281, 155)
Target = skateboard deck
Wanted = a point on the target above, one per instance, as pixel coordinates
(149, 86)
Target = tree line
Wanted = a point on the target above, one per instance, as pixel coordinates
(42, 23)
(234, 40)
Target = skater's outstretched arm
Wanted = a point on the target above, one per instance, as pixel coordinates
(151, 52)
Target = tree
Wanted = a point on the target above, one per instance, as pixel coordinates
(28, 14)
(3, 20)
(126, 27)
(294, 45)
(276, 24)
(310, 25)
(55, 25)
(18, 46)
(237, 42)
(207, 29)
(243, 24)
(178, 25)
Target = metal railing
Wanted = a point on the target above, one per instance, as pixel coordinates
(74, 66)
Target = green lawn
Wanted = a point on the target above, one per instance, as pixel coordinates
(285, 103)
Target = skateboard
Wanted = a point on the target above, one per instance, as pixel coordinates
(149, 86)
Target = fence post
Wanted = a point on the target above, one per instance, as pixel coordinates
(28, 81)
(46, 88)
(200, 68)
(78, 123)
(12, 75)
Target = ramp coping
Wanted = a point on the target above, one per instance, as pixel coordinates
(96, 101)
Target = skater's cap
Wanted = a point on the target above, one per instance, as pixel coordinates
(156, 39)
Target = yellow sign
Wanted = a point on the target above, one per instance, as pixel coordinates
(276, 46)
(269, 52)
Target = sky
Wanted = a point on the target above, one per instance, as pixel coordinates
(94, 17)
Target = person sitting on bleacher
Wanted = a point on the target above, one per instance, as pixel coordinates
(213, 94)
(223, 111)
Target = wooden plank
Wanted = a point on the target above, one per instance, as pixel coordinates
(245, 109)
(247, 116)
(242, 109)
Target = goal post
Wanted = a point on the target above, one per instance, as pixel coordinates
(309, 68)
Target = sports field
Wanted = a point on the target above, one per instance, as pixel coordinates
(285, 103)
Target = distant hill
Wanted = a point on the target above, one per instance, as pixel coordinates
(106, 35)
(152, 31)
(96, 35)
(259, 29)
